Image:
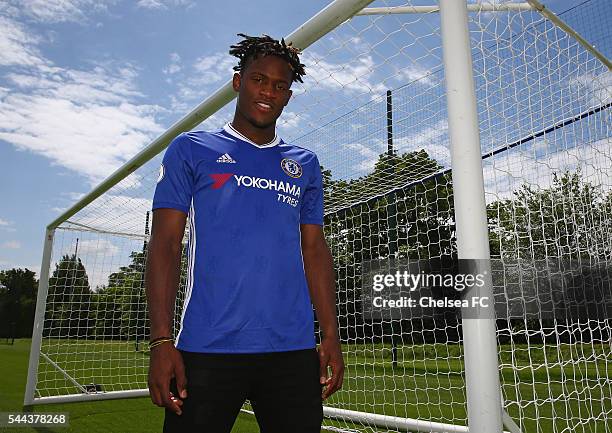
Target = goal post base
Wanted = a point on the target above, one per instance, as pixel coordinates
(406, 424)
(91, 396)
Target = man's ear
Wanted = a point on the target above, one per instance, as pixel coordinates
(289, 97)
(236, 81)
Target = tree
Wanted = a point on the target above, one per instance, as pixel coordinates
(69, 300)
(403, 209)
(18, 289)
(554, 244)
(571, 218)
(365, 212)
(121, 305)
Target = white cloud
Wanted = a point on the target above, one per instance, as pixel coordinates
(360, 158)
(116, 214)
(102, 85)
(6, 264)
(86, 120)
(93, 140)
(54, 11)
(219, 119)
(508, 171)
(367, 160)
(109, 229)
(97, 246)
(151, 4)
(356, 75)
(433, 139)
(73, 195)
(290, 120)
(415, 72)
(17, 46)
(598, 87)
(7, 226)
(35, 268)
(164, 4)
(206, 75)
(12, 245)
(172, 69)
(174, 65)
(356, 64)
(211, 69)
(100, 257)
(57, 11)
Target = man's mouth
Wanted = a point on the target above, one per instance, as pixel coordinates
(264, 106)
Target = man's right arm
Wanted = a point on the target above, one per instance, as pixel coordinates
(162, 281)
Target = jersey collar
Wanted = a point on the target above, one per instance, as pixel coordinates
(234, 133)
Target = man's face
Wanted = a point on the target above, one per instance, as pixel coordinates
(263, 90)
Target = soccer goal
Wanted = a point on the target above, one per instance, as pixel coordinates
(461, 130)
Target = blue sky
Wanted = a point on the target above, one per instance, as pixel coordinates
(85, 85)
(118, 67)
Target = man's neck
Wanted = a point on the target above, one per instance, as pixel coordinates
(256, 135)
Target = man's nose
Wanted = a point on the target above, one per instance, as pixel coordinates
(267, 89)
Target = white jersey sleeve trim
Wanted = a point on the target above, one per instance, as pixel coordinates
(190, 263)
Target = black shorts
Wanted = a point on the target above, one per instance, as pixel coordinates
(283, 388)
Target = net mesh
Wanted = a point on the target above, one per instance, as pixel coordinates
(374, 110)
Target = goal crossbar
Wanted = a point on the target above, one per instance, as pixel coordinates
(484, 7)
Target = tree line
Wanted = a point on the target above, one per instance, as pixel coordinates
(403, 208)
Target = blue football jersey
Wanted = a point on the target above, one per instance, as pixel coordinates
(246, 288)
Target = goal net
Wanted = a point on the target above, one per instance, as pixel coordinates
(374, 109)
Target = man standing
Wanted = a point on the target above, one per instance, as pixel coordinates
(257, 262)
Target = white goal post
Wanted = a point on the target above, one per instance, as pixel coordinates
(466, 130)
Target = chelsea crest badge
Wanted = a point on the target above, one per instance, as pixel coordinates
(291, 168)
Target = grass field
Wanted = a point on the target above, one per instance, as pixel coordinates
(136, 415)
(573, 394)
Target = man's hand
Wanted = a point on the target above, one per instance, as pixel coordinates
(330, 355)
(162, 280)
(319, 269)
(166, 363)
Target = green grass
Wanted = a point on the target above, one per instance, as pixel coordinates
(137, 415)
(427, 384)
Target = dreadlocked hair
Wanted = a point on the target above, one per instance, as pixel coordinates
(264, 45)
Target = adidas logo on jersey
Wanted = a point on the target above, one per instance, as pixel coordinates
(225, 158)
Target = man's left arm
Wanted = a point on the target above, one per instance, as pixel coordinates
(318, 266)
